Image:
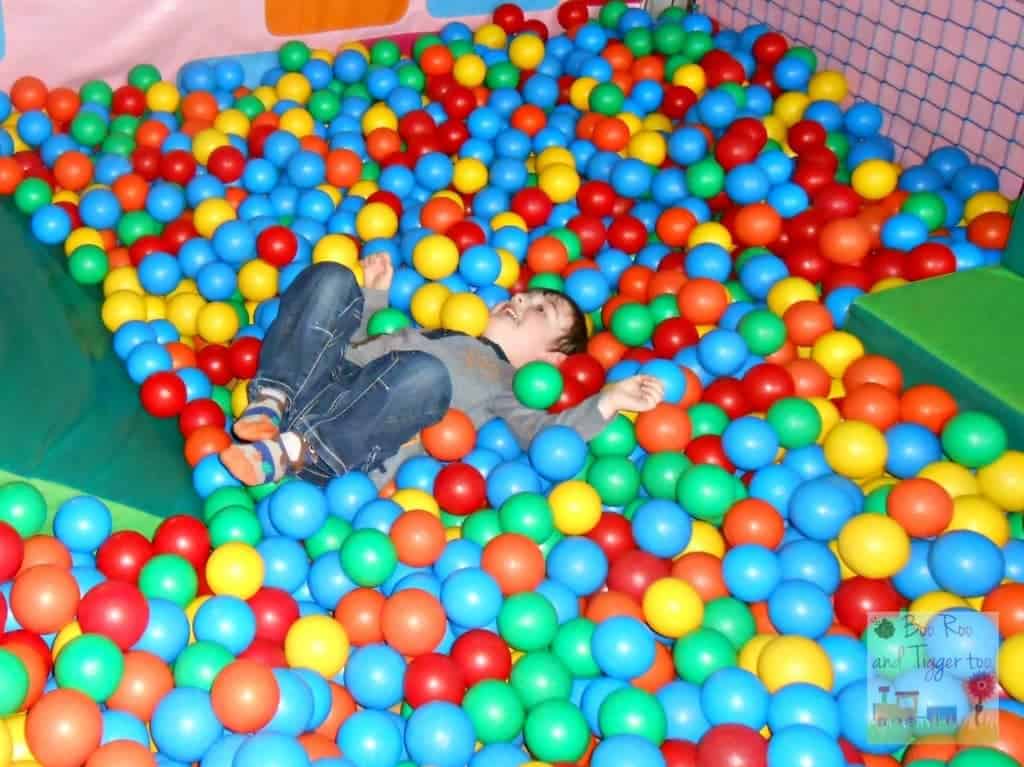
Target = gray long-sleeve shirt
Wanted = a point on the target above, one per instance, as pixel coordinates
(481, 384)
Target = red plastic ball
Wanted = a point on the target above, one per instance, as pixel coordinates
(214, 360)
(115, 609)
(146, 162)
(244, 357)
(143, 246)
(433, 677)
(465, 234)
(673, 335)
(573, 393)
(177, 233)
(590, 230)
(128, 100)
(732, 745)
(572, 14)
(452, 134)
(163, 394)
(178, 166)
(199, 413)
(769, 48)
(185, 536)
(633, 572)
(595, 198)
(481, 655)
(460, 489)
(258, 138)
(858, 597)
(533, 206)
(677, 101)
(509, 17)
(931, 259)
(735, 149)
(765, 384)
(708, 449)
(805, 134)
(123, 555)
(12, 551)
(679, 753)
(721, 67)
(266, 652)
(585, 370)
(837, 201)
(728, 394)
(226, 163)
(804, 260)
(628, 234)
(614, 534)
(275, 611)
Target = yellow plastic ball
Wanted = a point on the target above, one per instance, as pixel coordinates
(376, 221)
(19, 746)
(980, 515)
(710, 232)
(751, 652)
(856, 449)
(508, 218)
(435, 257)
(672, 607)
(235, 569)
(427, 302)
(775, 128)
(632, 122)
(266, 95)
(828, 413)
(555, 155)
(298, 122)
(163, 97)
(121, 307)
(936, 602)
(65, 195)
(705, 538)
(233, 122)
(1002, 481)
(845, 572)
(579, 92)
(331, 191)
(217, 322)
(691, 76)
(466, 313)
(183, 312)
(337, 249)
(206, 141)
(490, 35)
(380, 115)
(357, 46)
(469, 70)
(575, 506)
(836, 350)
(887, 283)
(791, 659)
(156, 308)
(6, 746)
(84, 235)
(411, 498)
(985, 202)
(955, 479)
(65, 635)
(509, 269)
(210, 214)
(1010, 663)
(648, 146)
(186, 285)
(526, 51)
(190, 612)
(827, 85)
(469, 175)
(317, 642)
(874, 545)
(790, 107)
(875, 179)
(122, 278)
(293, 86)
(239, 399)
(257, 280)
(559, 182)
(657, 122)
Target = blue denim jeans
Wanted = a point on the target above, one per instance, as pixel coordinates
(352, 417)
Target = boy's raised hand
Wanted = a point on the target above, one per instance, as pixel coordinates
(377, 271)
(637, 394)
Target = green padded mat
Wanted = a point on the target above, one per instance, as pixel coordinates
(963, 331)
(1013, 259)
(71, 415)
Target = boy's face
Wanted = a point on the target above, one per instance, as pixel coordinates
(528, 325)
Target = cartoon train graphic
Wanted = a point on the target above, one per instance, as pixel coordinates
(903, 712)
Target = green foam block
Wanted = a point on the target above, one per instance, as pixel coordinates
(962, 331)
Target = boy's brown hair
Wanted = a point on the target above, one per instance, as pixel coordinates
(574, 340)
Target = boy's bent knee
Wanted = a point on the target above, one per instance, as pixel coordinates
(328, 280)
(427, 378)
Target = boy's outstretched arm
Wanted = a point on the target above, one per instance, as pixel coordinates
(637, 393)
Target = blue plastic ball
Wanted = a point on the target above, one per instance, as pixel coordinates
(735, 696)
(184, 725)
(82, 523)
(750, 443)
(374, 675)
(751, 572)
(661, 527)
(966, 563)
(298, 509)
(471, 597)
(440, 733)
(623, 647)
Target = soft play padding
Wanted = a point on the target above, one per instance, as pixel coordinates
(1013, 258)
(71, 416)
(963, 331)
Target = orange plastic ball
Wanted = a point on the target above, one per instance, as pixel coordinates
(921, 506)
(319, 746)
(662, 283)
(806, 321)
(703, 301)
(144, 683)
(873, 403)
(344, 167)
(661, 672)
(611, 134)
(44, 598)
(62, 104)
(11, 175)
(758, 224)
(413, 622)
(874, 369)
(342, 707)
(440, 213)
(245, 695)
(674, 226)
(664, 428)
(1007, 599)
(611, 604)
(634, 280)
(990, 230)
(606, 349)
(514, 561)
(28, 93)
(419, 538)
(200, 106)
(122, 753)
(928, 405)
(204, 441)
(753, 521)
(381, 143)
(63, 728)
(436, 60)
(547, 254)
(73, 170)
(131, 191)
(529, 118)
(45, 550)
(451, 438)
(844, 241)
(703, 571)
(359, 613)
(809, 378)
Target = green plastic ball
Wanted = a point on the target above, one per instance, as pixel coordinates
(250, 106)
(504, 74)
(661, 472)
(572, 646)
(795, 421)
(371, 171)
(549, 543)
(705, 178)
(235, 523)
(982, 756)
(527, 514)
(674, 62)
(615, 478)
(663, 307)
(387, 321)
(839, 144)
(142, 76)
(495, 710)
(571, 241)
(707, 418)
(32, 194)
(540, 676)
(411, 76)
(423, 42)
(293, 55)
(357, 91)
(329, 537)
(537, 385)
(669, 39)
(136, 224)
(547, 281)
(200, 663)
(973, 439)
(170, 577)
(324, 106)
(527, 621)
(617, 438)
(461, 47)
(697, 44)
(732, 619)
(640, 41)
(736, 291)
(16, 682)
(927, 206)
(368, 557)
(877, 501)
(385, 53)
(803, 52)
(118, 143)
(22, 507)
(632, 711)
(607, 99)
(556, 731)
(764, 332)
(96, 92)
(610, 13)
(706, 492)
(673, 13)
(632, 324)
(222, 396)
(739, 95)
(224, 497)
(92, 665)
(701, 653)
(482, 527)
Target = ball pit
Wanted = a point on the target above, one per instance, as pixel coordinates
(693, 588)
